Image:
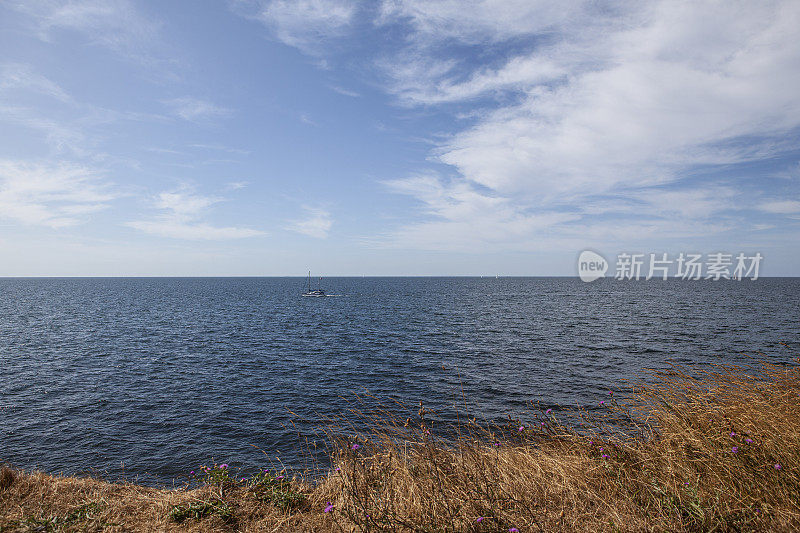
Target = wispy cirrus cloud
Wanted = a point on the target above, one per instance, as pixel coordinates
(22, 84)
(236, 185)
(219, 147)
(195, 109)
(781, 207)
(67, 124)
(181, 217)
(61, 136)
(115, 24)
(344, 91)
(456, 216)
(425, 82)
(51, 195)
(482, 21)
(316, 222)
(18, 76)
(304, 24)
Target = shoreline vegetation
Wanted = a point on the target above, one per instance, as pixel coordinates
(712, 449)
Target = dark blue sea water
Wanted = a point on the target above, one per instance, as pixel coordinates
(152, 377)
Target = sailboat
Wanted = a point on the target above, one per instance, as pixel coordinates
(318, 292)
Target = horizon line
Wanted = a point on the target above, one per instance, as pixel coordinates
(257, 276)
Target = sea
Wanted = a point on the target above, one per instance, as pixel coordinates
(145, 379)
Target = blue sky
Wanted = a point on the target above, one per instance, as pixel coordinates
(396, 137)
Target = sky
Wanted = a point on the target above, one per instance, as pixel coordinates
(394, 137)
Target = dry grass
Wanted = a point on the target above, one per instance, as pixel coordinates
(40, 502)
(716, 450)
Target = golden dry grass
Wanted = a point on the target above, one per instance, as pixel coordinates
(713, 450)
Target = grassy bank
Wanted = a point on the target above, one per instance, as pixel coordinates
(703, 451)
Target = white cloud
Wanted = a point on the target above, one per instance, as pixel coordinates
(220, 148)
(653, 105)
(159, 150)
(182, 219)
(65, 123)
(577, 110)
(19, 76)
(305, 119)
(345, 92)
(51, 195)
(459, 217)
(621, 109)
(60, 135)
(317, 223)
(696, 203)
(304, 24)
(481, 21)
(18, 84)
(421, 83)
(781, 207)
(192, 231)
(115, 24)
(195, 109)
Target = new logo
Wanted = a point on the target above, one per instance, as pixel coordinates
(591, 266)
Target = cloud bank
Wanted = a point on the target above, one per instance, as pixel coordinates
(582, 118)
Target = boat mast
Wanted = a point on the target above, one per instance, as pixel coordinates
(309, 281)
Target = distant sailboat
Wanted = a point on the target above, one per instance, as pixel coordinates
(318, 292)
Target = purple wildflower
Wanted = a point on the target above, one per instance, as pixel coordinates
(497, 444)
(735, 449)
(223, 466)
(513, 530)
(278, 477)
(338, 468)
(329, 507)
(749, 441)
(733, 434)
(521, 428)
(548, 411)
(777, 466)
(591, 442)
(542, 423)
(480, 519)
(686, 483)
(355, 446)
(241, 480)
(191, 473)
(603, 402)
